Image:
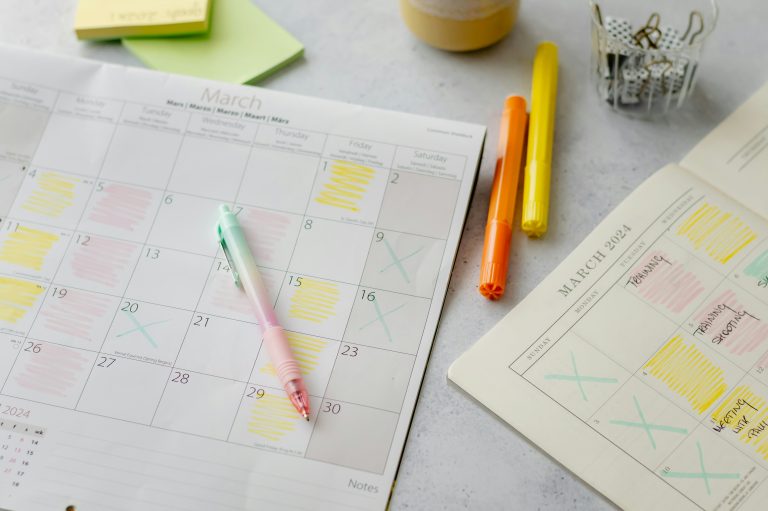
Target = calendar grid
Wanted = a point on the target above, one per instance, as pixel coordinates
(261, 342)
(123, 296)
(181, 345)
(282, 284)
(357, 290)
(237, 203)
(403, 242)
(5, 220)
(701, 422)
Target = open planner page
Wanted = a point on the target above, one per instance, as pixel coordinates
(641, 362)
(131, 369)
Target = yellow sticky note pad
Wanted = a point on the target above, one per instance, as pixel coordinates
(113, 19)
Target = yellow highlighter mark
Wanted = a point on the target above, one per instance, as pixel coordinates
(721, 234)
(16, 298)
(347, 185)
(744, 413)
(272, 417)
(27, 247)
(314, 300)
(685, 370)
(306, 351)
(54, 194)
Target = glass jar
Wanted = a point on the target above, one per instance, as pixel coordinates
(460, 25)
(645, 55)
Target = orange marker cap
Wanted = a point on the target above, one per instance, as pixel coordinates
(501, 211)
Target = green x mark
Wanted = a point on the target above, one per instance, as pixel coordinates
(647, 426)
(141, 328)
(579, 379)
(398, 261)
(706, 476)
(380, 318)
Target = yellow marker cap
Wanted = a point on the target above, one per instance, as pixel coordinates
(541, 130)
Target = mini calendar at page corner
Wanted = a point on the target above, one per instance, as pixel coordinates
(641, 362)
(132, 371)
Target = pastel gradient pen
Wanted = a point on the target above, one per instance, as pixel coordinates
(247, 277)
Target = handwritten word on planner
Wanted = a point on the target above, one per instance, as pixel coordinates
(662, 281)
(744, 413)
(725, 321)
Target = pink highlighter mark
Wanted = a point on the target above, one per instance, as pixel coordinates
(662, 281)
(121, 206)
(102, 261)
(726, 322)
(75, 314)
(53, 370)
(226, 297)
(264, 230)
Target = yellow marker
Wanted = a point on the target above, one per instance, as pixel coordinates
(541, 130)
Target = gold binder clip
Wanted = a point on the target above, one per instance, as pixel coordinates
(694, 15)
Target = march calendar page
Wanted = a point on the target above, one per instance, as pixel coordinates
(131, 368)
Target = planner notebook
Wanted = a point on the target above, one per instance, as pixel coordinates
(641, 362)
(131, 368)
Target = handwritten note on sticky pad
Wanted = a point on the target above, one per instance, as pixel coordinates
(114, 19)
(243, 45)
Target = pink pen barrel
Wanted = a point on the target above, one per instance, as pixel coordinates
(246, 274)
(286, 367)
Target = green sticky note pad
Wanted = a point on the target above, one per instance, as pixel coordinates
(243, 45)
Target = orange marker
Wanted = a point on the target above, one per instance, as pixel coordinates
(501, 212)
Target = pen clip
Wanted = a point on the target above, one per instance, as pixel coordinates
(232, 267)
